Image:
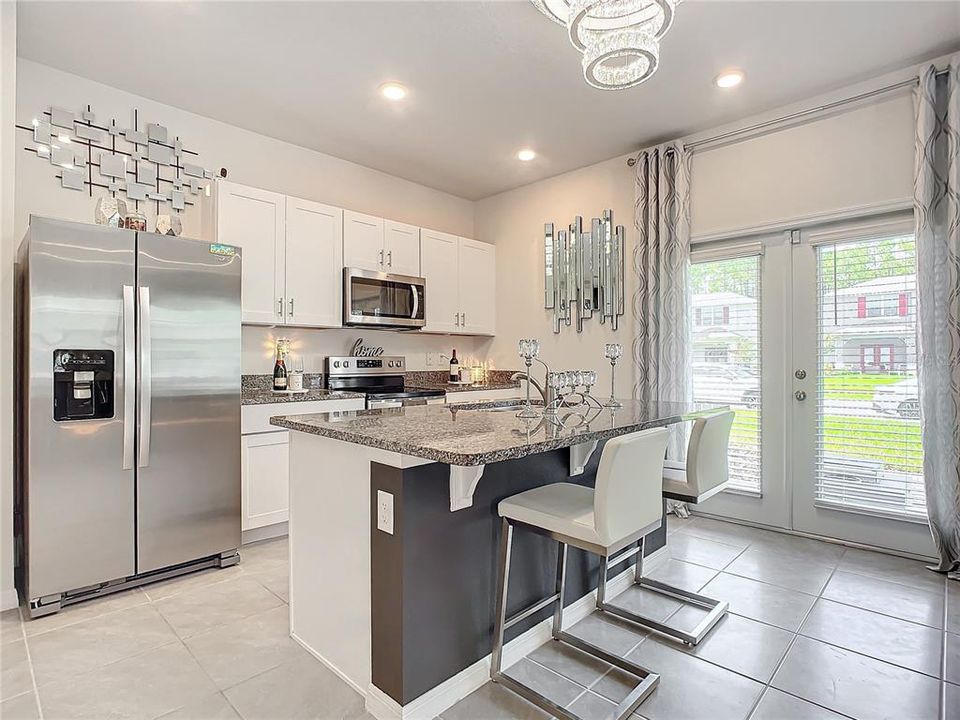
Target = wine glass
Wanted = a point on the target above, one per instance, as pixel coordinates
(528, 349)
(613, 352)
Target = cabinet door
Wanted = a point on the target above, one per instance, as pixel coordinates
(402, 243)
(438, 263)
(363, 241)
(264, 479)
(254, 220)
(478, 287)
(314, 263)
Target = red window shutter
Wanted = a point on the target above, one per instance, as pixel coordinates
(726, 315)
(862, 306)
(902, 308)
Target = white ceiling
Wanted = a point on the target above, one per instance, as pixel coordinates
(485, 78)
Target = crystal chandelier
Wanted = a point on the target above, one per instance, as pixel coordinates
(619, 39)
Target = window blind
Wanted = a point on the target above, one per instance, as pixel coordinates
(726, 355)
(869, 457)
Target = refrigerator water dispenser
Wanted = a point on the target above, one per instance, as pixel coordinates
(82, 384)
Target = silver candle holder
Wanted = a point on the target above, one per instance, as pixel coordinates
(613, 352)
(528, 349)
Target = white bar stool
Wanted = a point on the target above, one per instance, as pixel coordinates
(625, 506)
(703, 477)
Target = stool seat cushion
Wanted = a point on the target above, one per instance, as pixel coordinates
(675, 480)
(561, 507)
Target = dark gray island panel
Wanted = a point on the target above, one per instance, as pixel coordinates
(432, 580)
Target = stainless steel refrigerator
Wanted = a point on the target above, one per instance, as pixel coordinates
(128, 385)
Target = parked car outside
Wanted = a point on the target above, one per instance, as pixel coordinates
(902, 398)
(726, 383)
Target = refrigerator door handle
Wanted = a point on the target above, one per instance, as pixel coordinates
(144, 379)
(129, 373)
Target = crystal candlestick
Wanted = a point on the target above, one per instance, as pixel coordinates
(528, 349)
(613, 352)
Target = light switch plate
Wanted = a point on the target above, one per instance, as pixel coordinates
(385, 512)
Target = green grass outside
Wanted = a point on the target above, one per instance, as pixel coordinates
(856, 386)
(859, 438)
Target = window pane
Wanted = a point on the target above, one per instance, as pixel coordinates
(869, 456)
(726, 355)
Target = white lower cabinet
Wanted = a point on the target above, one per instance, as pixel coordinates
(265, 474)
(265, 465)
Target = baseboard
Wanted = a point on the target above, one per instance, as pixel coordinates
(9, 599)
(267, 532)
(333, 668)
(448, 693)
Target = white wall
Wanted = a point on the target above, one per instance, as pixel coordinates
(8, 76)
(514, 222)
(314, 345)
(250, 159)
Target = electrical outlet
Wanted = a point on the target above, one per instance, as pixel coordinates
(385, 512)
(431, 359)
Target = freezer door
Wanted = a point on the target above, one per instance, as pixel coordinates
(78, 476)
(188, 435)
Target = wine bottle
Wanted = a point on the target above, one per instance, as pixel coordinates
(279, 372)
(454, 368)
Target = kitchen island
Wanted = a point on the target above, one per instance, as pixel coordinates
(393, 536)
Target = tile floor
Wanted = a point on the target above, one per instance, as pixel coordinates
(815, 631)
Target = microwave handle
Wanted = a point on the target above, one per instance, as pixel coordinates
(416, 302)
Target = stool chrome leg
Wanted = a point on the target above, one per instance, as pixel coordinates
(602, 583)
(503, 582)
(648, 680)
(561, 584)
(717, 608)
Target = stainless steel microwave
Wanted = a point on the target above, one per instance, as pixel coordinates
(383, 300)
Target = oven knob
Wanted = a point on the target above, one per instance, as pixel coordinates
(390, 363)
(336, 363)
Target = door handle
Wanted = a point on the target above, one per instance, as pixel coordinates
(129, 376)
(280, 306)
(291, 307)
(389, 258)
(144, 379)
(800, 395)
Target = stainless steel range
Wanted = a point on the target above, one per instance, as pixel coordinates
(380, 378)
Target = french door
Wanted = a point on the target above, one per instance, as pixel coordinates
(834, 427)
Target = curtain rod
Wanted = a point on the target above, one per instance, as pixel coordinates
(800, 114)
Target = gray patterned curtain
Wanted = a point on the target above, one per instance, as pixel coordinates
(661, 257)
(937, 217)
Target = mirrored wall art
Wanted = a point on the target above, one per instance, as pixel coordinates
(583, 271)
(144, 161)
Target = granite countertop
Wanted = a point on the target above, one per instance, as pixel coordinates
(258, 390)
(463, 436)
(437, 380)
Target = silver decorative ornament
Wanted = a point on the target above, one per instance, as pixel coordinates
(110, 211)
(169, 225)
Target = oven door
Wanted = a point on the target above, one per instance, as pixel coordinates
(383, 300)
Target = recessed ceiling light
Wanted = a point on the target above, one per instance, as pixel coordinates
(526, 155)
(393, 91)
(729, 78)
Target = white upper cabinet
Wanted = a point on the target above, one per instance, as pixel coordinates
(478, 287)
(461, 283)
(402, 245)
(438, 262)
(254, 220)
(314, 258)
(363, 241)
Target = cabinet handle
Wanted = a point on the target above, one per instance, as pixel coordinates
(390, 258)
(456, 319)
(291, 307)
(463, 319)
(280, 306)
(381, 257)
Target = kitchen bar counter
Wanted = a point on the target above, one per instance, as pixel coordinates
(437, 380)
(477, 435)
(393, 536)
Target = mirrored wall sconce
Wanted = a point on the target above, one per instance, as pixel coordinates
(583, 271)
